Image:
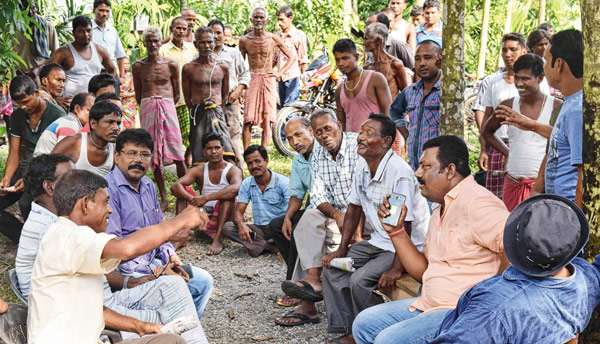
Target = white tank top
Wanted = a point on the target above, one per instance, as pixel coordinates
(82, 71)
(400, 33)
(527, 148)
(83, 163)
(209, 188)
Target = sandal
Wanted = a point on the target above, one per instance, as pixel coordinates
(304, 319)
(306, 292)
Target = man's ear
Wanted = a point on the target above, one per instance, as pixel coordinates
(85, 205)
(42, 81)
(48, 187)
(387, 141)
(451, 171)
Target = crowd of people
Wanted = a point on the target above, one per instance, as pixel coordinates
(377, 197)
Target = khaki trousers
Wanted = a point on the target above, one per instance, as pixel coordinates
(316, 235)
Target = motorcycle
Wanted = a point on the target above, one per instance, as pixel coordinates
(319, 82)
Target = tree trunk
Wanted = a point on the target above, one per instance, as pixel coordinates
(453, 68)
(509, 6)
(484, 38)
(542, 13)
(590, 17)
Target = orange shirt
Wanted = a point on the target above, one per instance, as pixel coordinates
(463, 245)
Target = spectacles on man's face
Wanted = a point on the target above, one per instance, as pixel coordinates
(134, 155)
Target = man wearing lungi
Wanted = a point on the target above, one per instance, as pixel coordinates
(156, 83)
(205, 83)
(261, 98)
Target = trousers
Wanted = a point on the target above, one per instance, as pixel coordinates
(316, 235)
(254, 248)
(286, 247)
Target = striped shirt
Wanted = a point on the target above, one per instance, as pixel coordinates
(424, 117)
(332, 179)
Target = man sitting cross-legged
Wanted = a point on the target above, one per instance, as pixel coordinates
(134, 201)
(300, 136)
(318, 231)
(157, 301)
(218, 181)
(267, 190)
(380, 172)
(65, 304)
(93, 151)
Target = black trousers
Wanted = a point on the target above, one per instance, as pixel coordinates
(10, 226)
(285, 246)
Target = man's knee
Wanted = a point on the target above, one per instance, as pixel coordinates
(228, 228)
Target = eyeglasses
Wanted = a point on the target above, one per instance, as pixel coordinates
(133, 155)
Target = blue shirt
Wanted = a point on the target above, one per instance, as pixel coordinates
(516, 308)
(109, 40)
(133, 210)
(564, 151)
(434, 35)
(268, 205)
(301, 177)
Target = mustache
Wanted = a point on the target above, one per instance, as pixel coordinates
(138, 166)
(421, 181)
(255, 169)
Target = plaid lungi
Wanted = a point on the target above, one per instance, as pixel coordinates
(183, 115)
(495, 172)
(516, 191)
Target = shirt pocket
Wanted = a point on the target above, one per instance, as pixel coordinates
(273, 198)
(432, 115)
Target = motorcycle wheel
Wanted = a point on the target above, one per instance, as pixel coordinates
(283, 117)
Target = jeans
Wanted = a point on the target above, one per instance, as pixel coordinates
(289, 91)
(392, 322)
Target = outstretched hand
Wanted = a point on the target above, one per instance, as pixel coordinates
(511, 117)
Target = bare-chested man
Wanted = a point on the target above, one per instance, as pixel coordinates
(81, 59)
(190, 17)
(156, 83)
(205, 83)
(261, 97)
(218, 182)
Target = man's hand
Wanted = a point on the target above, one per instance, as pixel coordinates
(63, 102)
(235, 94)
(134, 282)
(198, 201)
(192, 217)
(326, 260)
(338, 216)
(389, 278)
(276, 74)
(384, 211)
(176, 267)
(511, 117)
(244, 233)
(175, 259)
(19, 186)
(483, 161)
(286, 229)
(144, 328)
(183, 235)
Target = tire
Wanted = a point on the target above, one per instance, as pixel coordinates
(283, 117)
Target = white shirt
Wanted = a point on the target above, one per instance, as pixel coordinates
(393, 175)
(65, 304)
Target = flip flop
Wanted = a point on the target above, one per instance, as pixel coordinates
(283, 304)
(306, 293)
(335, 340)
(304, 319)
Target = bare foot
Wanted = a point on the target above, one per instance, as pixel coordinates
(347, 339)
(215, 248)
(288, 301)
(306, 308)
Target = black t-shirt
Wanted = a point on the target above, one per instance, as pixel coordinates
(19, 127)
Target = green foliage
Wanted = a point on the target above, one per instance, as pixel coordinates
(15, 20)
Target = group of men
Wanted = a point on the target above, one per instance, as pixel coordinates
(82, 187)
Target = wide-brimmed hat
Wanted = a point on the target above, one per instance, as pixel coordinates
(543, 234)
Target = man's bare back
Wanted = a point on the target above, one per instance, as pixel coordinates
(199, 84)
(156, 79)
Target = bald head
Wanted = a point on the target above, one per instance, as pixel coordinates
(372, 19)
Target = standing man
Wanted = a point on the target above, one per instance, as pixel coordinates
(107, 36)
(362, 93)
(564, 71)
(190, 18)
(401, 29)
(261, 99)
(239, 79)
(82, 58)
(267, 190)
(228, 37)
(432, 27)
(52, 85)
(421, 101)
(156, 83)
(181, 51)
(206, 91)
(295, 41)
(398, 49)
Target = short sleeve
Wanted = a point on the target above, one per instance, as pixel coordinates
(575, 136)
(244, 193)
(488, 96)
(119, 51)
(474, 325)
(490, 232)
(354, 195)
(114, 221)
(295, 187)
(16, 127)
(83, 250)
(301, 50)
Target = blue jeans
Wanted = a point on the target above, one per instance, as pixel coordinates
(392, 322)
(289, 91)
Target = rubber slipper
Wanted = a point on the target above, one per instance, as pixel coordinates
(283, 304)
(306, 292)
(304, 319)
(335, 340)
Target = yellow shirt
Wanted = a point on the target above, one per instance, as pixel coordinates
(463, 244)
(181, 56)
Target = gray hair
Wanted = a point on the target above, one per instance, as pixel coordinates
(377, 31)
(323, 112)
(259, 9)
(203, 29)
(152, 30)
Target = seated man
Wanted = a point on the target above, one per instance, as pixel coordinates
(52, 84)
(32, 112)
(134, 204)
(546, 296)
(65, 304)
(299, 135)
(102, 83)
(334, 163)
(68, 125)
(463, 246)
(267, 191)
(380, 172)
(218, 181)
(151, 301)
(94, 151)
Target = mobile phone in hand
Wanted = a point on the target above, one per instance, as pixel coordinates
(252, 235)
(396, 201)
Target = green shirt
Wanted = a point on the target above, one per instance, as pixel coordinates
(19, 127)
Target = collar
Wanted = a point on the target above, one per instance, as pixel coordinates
(343, 147)
(290, 33)
(95, 26)
(42, 211)
(121, 181)
(380, 168)
(272, 182)
(458, 188)
(301, 156)
(170, 45)
(513, 274)
(421, 28)
(420, 84)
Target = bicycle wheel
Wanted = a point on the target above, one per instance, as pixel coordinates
(283, 117)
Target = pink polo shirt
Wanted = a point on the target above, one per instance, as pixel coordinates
(463, 245)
